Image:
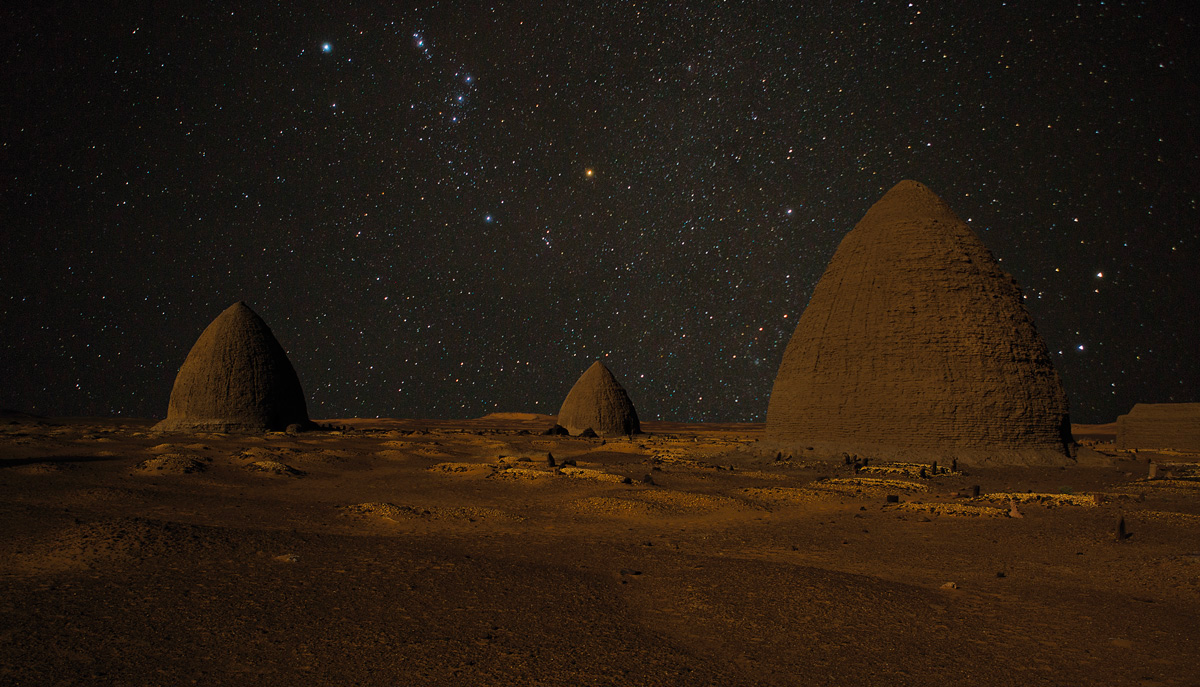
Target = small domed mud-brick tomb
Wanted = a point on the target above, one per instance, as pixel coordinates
(599, 402)
(916, 345)
(237, 378)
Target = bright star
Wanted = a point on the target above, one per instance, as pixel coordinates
(589, 173)
(326, 47)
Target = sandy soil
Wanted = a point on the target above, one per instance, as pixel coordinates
(452, 553)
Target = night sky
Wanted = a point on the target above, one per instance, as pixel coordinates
(444, 210)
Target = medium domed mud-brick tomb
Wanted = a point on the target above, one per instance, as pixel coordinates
(237, 378)
(916, 345)
(599, 402)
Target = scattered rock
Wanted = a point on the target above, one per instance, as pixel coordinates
(401, 513)
(171, 464)
(274, 467)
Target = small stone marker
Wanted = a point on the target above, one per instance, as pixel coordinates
(934, 471)
(893, 498)
(975, 491)
(550, 460)
(1122, 535)
(954, 465)
(1153, 471)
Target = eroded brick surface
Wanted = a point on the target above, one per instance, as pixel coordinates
(915, 342)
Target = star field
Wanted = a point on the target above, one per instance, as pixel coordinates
(444, 211)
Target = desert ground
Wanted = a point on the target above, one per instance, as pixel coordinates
(453, 553)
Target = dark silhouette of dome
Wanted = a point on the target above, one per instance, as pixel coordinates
(236, 378)
(915, 344)
(597, 401)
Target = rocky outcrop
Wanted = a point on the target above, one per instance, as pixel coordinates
(237, 378)
(598, 402)
(1160, 426)
(915, 344)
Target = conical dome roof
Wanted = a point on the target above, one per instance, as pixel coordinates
(915, 344)
(237, 378)
(598, 401)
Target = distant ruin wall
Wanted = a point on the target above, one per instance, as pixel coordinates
(1160, 426)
